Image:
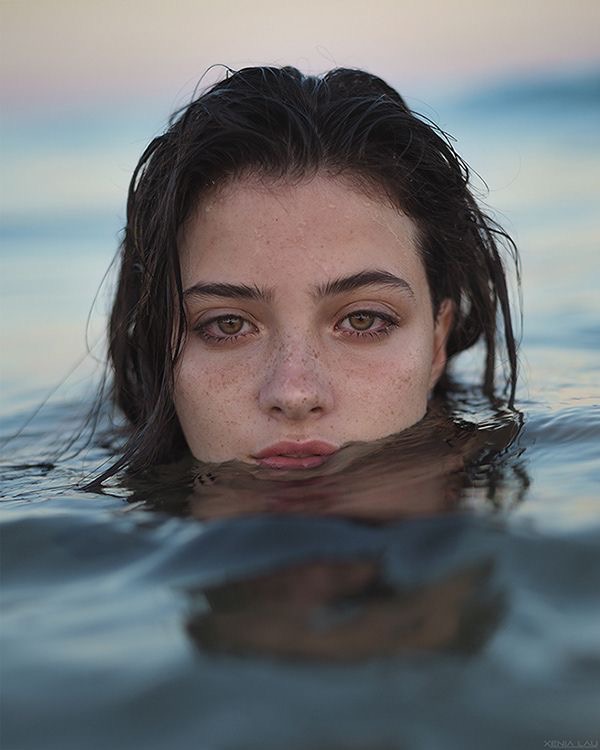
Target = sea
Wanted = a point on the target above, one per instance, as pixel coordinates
(402, 599)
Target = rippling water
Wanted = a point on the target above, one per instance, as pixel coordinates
(438, 589)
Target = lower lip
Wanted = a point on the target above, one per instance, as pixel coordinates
(292, 462)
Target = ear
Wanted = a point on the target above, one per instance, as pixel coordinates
(442, 327)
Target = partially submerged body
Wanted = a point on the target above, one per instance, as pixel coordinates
(303, 258)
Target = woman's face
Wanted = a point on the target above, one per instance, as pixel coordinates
(310, 323)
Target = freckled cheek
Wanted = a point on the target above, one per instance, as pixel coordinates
(403, 366)
(211, 402)
(205, 388)
(390, 386)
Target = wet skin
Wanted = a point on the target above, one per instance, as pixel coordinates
(310, 322)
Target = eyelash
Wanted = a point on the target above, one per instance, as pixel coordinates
(390, 321)
(202, 330)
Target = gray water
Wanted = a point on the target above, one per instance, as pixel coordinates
(400, 601)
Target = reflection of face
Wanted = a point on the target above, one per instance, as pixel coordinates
(346, 611)
(416, 472)
(310, 319)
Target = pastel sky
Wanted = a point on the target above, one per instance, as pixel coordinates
(76, 52)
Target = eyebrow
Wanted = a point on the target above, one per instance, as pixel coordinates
(340, 285)
(231, 291)
(362, 279)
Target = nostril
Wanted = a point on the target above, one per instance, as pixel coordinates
(296, 410)
(294, 394)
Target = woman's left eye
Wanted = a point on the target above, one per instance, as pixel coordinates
(367, 323)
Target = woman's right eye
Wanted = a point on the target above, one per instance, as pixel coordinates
(224, 329)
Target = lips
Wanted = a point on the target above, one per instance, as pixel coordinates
(295, 455)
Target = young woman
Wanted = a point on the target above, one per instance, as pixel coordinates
(302, 260)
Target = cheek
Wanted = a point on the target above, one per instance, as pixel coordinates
(199, 385)
(404, 366)
(391, 386)
(209, 399)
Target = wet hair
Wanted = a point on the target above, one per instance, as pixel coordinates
(278, 123)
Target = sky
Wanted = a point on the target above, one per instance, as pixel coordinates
(81, 53)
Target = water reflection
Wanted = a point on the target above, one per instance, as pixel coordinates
(345, 611)
(436, 467)
(335, 605)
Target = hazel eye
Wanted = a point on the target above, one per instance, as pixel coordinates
(230, 324)
(361, 321)
(367, 324)
(226, 328)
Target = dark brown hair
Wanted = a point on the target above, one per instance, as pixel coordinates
(280, 123)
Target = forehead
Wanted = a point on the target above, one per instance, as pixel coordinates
(323, 226)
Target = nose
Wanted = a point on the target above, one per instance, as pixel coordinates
(297, 385)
